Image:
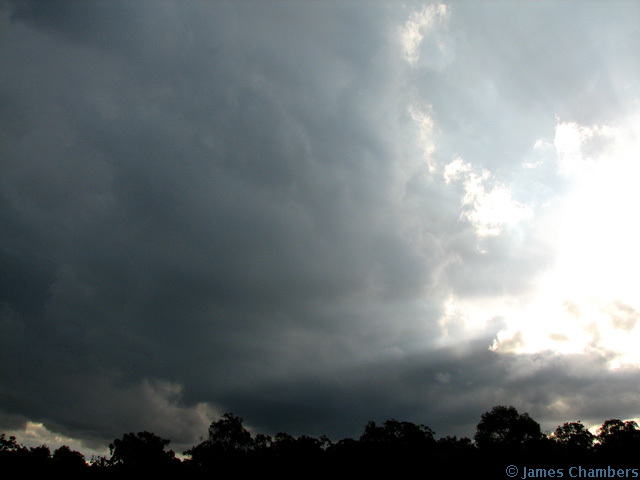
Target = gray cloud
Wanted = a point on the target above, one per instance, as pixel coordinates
(225, 206)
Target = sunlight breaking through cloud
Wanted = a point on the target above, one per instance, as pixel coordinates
(488, 205)
(419, 24)
(588, 300)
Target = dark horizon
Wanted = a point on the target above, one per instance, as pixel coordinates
(505, 441)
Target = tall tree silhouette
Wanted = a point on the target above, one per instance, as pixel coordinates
(68, 460)
(574, 437)
(142, 450)
(619, 436)
(228, 440)
(504, 428)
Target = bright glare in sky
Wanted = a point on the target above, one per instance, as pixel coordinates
(588, 298)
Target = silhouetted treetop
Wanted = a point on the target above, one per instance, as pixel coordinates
(141, 450)
(575, 436)
(66, 459)
(9, 445)
(504, 427)
(393, 432)
(227, 439)
(229, 435)
(393, 447)
(616, 434)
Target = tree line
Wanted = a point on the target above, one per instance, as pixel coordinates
(503, 437)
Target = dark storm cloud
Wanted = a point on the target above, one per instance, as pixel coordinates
(224, 206)
(447, 389)
(209, 220)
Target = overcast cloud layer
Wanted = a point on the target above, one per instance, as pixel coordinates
(316, 214)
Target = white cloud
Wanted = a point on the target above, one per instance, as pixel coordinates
(488, 205)
(414, 30)
(586, 301)
(425, 124)
(453, 170)
(491, 210)
(577, 144)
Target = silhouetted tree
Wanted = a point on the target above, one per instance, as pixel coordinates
(262, 442)
(69, 460)
(99, 463)
(574, 437)
(9, 445)
(16, 456)
(619, 436)
(143, 450)
(283, 446)
(297, 455)
(395, 447)
(12, 454)
(395, 433)
(344, 447)
(452, 445)
(228, 440)
(503, 427)
(39, 457)
(229, 434)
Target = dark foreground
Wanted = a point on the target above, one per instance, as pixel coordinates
(507, 444)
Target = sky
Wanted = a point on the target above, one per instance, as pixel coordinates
(316, 214)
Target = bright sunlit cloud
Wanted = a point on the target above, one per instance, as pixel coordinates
(488, 205)
(35, 434)
(588, 299)
(418, 25)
